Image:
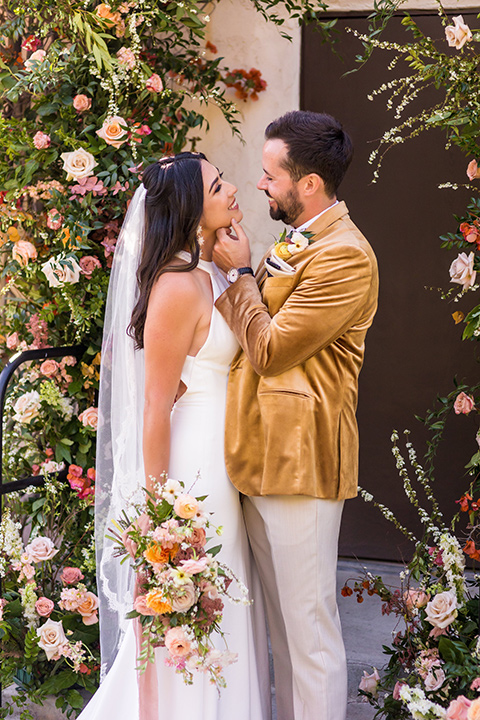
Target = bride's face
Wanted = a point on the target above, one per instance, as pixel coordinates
(219, 204)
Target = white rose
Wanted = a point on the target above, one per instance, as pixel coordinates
(369, 683)
(52, 638)
(458, 34)
(41, 549)
(461, 270)
(78, 164)
(59, 273)
(442, 610)
(27, 407)
(185, 598)
(298, 242)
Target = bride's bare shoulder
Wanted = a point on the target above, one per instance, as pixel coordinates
(175, 287)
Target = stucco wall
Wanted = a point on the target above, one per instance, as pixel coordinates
(245, 40)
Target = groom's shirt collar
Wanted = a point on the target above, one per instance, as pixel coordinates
(307, 224)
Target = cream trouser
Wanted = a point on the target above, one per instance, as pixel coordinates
(295, 543)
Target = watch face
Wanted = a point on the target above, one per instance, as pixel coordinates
(232, 275)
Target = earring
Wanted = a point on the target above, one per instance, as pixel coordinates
(200, 238)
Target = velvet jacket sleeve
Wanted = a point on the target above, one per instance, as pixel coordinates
(325, 300)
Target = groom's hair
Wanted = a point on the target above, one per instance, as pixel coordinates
(317, 143)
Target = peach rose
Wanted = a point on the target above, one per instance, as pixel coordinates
(23, 251)
(89, 418)
(442, 610)
(177, 643)
(126, 57)
(369, 683)
(154, 83)
(88, 608)
(155, 600)
(461, 270)
(44, 606)
(113, 131)
(41, 549)
(27, 406)
(82, 103)
(88, 264)
(458, 34)
(415, 599)
(463, 404)
(54, 219)
(186, 506)
(41, 140)
(49, 368)
(140, 605)
(473, 712)
(78, 164)
(52, 637)
(37, 57)
(184, 598)
(473, 171)
(104, 11)
(12, 341)
(71, 575)
(457, 710)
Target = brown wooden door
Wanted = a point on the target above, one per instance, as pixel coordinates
(414, 350)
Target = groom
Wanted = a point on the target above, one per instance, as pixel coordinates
(291, 435)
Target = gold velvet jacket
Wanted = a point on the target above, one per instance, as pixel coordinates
(292, 394)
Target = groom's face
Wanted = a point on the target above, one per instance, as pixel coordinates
(281, 190)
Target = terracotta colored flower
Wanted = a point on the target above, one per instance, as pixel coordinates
(88, 264)
(473, 172)
(470, 233)
(54, 219)
(41, 140)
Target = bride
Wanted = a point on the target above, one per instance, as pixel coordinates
(165, 345)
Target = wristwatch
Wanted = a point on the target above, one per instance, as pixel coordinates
(234, 273)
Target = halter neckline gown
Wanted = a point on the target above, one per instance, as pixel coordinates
(197, 447)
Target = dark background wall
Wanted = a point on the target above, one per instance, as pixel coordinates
(414, 349)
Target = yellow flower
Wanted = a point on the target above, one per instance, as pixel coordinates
(282, 250)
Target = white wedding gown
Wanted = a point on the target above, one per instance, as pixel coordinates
(197, 446)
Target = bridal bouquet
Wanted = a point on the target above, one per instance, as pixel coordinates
(180, 586)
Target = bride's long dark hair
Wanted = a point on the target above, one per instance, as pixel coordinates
(173, 208)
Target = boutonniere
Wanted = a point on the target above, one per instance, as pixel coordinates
(289, 244)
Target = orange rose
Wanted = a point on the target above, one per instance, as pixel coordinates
(157, 602)
(186, 506)
(155, 554)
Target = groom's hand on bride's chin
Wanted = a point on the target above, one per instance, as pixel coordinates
(232, 248)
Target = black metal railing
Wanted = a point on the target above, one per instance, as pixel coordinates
(5, 377)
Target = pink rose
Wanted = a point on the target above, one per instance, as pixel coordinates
(12, 341)
(89, 418)
(88, 263)
(3, 602)
(369, 683)
(49, 368)
(463, 404)
(41, 140)
(472, 170)
(462, 271)
(141, 606)
(177, 643)
(54, 219)
(475, 684)
(41, 549)
(71, 575)
(458, 34)
(44, 606)
(191, 567)
(458, 708)
(143, 523)
(82, 103)
(37, 57)
(129, 543)
(185, 506)
(126, 57)
(415, 599)
(113, 131)
(154, 83)
(23, 251)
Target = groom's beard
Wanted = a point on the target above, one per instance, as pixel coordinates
(288, 208)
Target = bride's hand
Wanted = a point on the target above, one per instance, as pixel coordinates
(232, 248)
